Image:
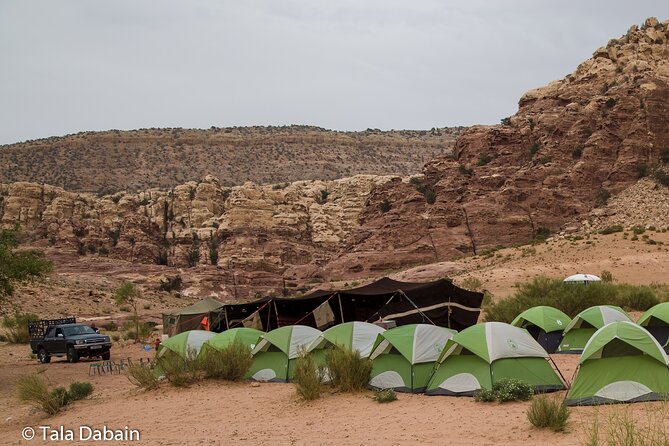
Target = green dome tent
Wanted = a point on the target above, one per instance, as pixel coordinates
(621, 363)
(183, 342)
(584, 325)
(245, 335)
(545, 324)
(403, 357)
(481, 355)
(275, 354)
(656, 321)
(358, 336)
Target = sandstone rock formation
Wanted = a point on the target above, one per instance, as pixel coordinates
(588, 135)
(112, 161)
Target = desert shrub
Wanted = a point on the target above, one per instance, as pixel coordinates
(661, 177)
(545, 412)
(577, 153)
(642, 170)
(179, 371)
(79, 390)
(464, 170)
(142, 375)
(570, 298)
(602, 197)
(610, 102)
(110, 326)
(130, 328)
(484, 159)
(485, 396)
(621, 428)
(171, 283)
(509, 389)
(664, 155)
(17, 327)
(638, 230)
(612, 229)
(506, 121)
(384, 396)
(230, 363)
(348, 371)
(33, 390)
(606, 276)
(534, 148)
(541, 234)
(385, 206)
(307, 378)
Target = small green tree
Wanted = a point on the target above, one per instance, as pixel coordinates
(19, 266)
(129, 294)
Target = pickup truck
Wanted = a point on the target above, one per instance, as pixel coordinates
(65, 337)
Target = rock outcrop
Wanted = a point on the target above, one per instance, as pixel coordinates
(570, 145)
(112, 161)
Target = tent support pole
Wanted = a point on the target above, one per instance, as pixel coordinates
(560, 373)
(416, 307)
(391, 298)
(341, 309)
(227, 323)
(276, 312)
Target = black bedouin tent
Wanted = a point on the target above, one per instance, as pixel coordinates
(439, 302)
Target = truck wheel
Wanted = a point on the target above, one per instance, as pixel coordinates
(43, 356)
(72, 355)
(106, 356)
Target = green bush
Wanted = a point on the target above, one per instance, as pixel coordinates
(33, 389)
(545, 412)
(231, 363)
(142, 375)
(307, 378)
(385, 206)
(612, 229)
(17, 327)
(79, 390)
(485, 396)
(179, 371)
(348, 371)
(569, 297)
(509, 389)
(384, 396)
(602, 197)
(464, 170)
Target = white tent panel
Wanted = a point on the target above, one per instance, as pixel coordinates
(364, 336)
(428, 342)
(506, 341)
(387, 380)
(460, 383)
(623, 390)
(300, 338)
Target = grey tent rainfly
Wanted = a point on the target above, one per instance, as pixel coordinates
(439, 302)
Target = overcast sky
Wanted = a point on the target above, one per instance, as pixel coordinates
(69, 66)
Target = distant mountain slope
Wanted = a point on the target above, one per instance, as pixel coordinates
(111, 161)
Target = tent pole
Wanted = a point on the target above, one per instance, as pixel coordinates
(225, 313)
(276, 312)
(269, 319)
(377, 312)
(558, 370)
(416, 307)
(341, 309)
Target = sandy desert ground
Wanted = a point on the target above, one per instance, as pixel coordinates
(212, 413)
(219, 413)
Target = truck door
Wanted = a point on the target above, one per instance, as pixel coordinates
(59, 342)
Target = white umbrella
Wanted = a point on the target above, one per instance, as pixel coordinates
(582, 278)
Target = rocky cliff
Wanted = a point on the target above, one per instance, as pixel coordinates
(571, 144)
(112, 161)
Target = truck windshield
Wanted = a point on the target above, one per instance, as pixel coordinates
(78, 330)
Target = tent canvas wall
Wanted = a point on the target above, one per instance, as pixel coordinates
(586, 323)
(403, 357)
(194, 317)
(183, 342)
(439, 302)
(485, 353)
(656, 321)
(355, 335)
(275, 354)
(545, 324)
(621, 363)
